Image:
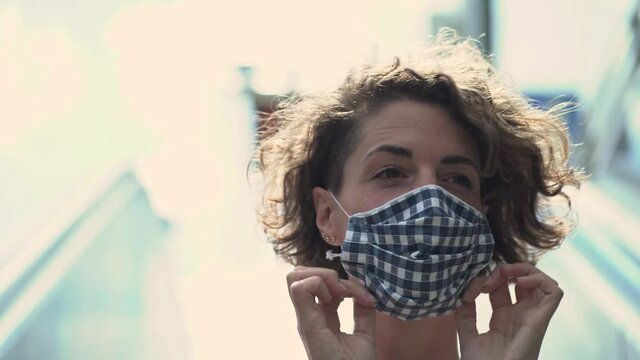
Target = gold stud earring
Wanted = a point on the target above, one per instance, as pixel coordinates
(330, 239)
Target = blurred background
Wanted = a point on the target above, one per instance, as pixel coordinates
(127, 226)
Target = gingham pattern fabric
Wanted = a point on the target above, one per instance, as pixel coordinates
(418, 252)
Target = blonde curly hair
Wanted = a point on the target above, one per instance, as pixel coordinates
(524, 150)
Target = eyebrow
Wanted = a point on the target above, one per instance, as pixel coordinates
(459, 160)
(392, 149)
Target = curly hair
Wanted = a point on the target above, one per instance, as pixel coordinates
(523, 149)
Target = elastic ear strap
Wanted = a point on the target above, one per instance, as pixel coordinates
(338, 202)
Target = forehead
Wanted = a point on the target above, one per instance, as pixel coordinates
(428, 130)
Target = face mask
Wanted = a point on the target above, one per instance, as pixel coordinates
(417, 252)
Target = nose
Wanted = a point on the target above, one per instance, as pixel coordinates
(426, 176)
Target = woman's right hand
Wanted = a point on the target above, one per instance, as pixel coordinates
(318, 322)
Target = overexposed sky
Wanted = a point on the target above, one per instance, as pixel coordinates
(160, 59)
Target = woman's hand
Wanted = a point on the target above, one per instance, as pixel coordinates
(515, 330)
(318, 322)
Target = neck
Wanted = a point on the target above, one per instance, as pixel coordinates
(429, 338)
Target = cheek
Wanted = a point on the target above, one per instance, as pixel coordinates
(365, 201)
(379, 197)
(474, 200)
(364, 198)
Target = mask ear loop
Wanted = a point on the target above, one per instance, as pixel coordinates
(340, 206)
(330, 254)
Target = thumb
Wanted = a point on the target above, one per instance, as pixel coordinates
(364, 319)
(466, 321)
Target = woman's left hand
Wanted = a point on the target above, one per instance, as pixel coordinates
(516, 329)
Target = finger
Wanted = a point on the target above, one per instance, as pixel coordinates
(522, 293)
(308, 289)
(303, 294)
(330, 312)
(466, 320)
(364, 319)
(505, 272)
(500, 297)
(540, 281)
(339, 288)
(330, 277)
(473, 289)
(543, 292)
(301, 272)
(359, 293)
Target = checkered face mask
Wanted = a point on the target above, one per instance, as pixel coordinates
(417, 252)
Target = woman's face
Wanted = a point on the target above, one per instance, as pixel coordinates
(406, 145)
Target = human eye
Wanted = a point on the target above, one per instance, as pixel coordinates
(390, 172)
(461, 180)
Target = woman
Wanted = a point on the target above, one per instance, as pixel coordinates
(441, 122)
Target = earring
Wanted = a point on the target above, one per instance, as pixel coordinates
(330, 239)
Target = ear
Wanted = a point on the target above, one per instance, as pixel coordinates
(485, 206)
(486, 200)
(323, 203)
